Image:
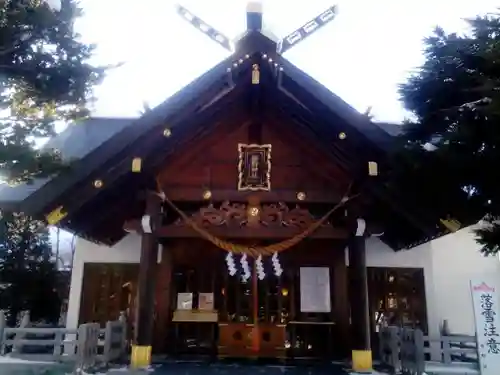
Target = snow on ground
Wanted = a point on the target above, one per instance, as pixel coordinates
(11, 360)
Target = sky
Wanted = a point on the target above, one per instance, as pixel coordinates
(362, 56)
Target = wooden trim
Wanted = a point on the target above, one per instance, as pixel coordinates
(195, 194)
(185, 152)
(163, 298)
(174, 231)
(146, 284)
(341, 304)
(358, 294)
(332, 170)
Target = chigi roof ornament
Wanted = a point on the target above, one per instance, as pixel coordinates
(255, 23)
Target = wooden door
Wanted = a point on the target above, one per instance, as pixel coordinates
(108, 289)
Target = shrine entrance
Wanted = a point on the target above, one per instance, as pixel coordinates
(221, 315)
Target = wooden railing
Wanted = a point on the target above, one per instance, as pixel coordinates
(409, 351)
(86, 347)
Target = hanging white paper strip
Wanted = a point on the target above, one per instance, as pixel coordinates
(315, 289)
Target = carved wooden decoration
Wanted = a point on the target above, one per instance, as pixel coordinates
(254, 167)
(242, 215)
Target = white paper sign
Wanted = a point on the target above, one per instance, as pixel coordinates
(206, 301)
(184, 301)
(315, 289)
(487, 318)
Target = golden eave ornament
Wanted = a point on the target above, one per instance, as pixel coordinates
(56, 215)
(451, 224)
(255, 74)
(136, 165)
(372, 168)
(207, 194)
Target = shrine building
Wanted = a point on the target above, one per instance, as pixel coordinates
(245, 217)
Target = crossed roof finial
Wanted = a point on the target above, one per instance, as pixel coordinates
(254, 11)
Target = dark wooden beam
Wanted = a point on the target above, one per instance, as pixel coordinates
(315, 158)
(256, 108)
(115, 170)
(164, 289)
(358, 298)
(189, 149)
(335, 155)
(144, 327)
(194, 194)
(181, 231)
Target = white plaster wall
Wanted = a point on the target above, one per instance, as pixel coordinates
(457, 260)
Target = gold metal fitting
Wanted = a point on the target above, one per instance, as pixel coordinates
(254, 211)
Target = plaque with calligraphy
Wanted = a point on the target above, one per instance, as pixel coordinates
(486, 316)
(184, 301)
(206, 301)
(315, 289)
(254, 167)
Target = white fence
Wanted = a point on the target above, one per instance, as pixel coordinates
(408, 351)
(86, 347)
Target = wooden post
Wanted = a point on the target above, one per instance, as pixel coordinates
(143, 335)
(255, 309)
(358, 296)
(340, 297)
(163, 298)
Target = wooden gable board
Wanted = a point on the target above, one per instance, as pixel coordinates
(43, 196)
(114, 150)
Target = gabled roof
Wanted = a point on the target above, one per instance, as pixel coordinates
(75, 142)
(105, 146)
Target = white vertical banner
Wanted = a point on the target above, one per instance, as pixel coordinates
(486, 317)
(315, 289)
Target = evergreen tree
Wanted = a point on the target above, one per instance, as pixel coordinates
(45, 78)
(28, 274)
(452, 150)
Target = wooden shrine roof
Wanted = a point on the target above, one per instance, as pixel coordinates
(105, 147)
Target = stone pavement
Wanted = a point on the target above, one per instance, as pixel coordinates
(184, 368)
(236, 369)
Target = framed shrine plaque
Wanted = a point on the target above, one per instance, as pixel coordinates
(206, 301)
(254, 167)
(184, 301)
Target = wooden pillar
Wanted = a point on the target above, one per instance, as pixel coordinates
(143, 337)
(358, 296)
(163, 298)
(341, 304)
